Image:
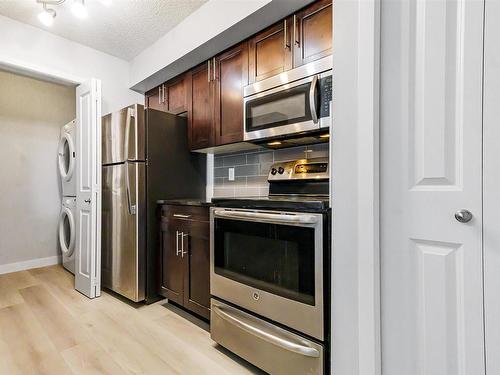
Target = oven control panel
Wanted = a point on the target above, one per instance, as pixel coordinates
(302, 169)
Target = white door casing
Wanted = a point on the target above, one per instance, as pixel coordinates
(431, 166)
(88, 194)
(491, 170)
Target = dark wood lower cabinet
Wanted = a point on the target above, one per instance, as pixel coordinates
(185, 249)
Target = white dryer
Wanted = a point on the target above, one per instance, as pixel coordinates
(67, 232)
(66, 159)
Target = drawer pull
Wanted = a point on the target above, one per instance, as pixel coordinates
(182, 216)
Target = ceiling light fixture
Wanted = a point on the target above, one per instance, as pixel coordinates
(46, 16)
(78, 8)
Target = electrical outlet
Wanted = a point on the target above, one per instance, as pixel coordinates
(231, 174)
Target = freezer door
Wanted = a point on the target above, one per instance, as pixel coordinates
(123, 229)
(124, 135)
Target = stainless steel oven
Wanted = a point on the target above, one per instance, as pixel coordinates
(293, 102)
(271, 263)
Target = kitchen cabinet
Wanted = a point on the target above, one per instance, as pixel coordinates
(155, 99)
(270, 51)
(176, 94)
(200, 107)
(231, 75)
(212, 93)
(185, 249)
(312, 32)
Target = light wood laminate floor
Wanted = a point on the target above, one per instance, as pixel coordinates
(46, 327)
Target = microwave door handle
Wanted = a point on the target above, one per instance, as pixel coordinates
(312, 99)
(265, 334)
(269, 217)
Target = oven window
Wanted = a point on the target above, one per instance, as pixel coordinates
(275, 258)
(284, 107)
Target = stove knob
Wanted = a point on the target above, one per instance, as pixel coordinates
(273, 171)
(280, 170)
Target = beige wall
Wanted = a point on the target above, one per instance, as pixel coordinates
(32, 113)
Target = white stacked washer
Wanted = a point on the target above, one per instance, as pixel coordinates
(66, 160)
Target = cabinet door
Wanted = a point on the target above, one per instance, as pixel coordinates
(200, 108)
(312, 32)
(176, 94)
(231, 75)
(155, 99)
(270, 52)
(197, 262)
(172, 286)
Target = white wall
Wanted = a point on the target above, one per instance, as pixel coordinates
(32, 113)
(206, 22)
(28, 48)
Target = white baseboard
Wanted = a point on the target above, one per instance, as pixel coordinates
(29, 264)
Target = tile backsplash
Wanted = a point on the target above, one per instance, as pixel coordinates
(251, 169)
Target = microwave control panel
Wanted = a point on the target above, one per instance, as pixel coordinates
(325, 93)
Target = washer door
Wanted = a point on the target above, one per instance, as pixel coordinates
(67, 232)
(66, 157)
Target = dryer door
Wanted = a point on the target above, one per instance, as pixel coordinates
(67, 232)
(66, 157)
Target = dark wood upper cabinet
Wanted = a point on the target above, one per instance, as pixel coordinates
(200, 107)
(231, 75)
(155, 99)
(270, 52)
(312, 32)
(185, 251)
(176, 95)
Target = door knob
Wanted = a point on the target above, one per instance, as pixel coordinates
(463, 216)
(87, 200)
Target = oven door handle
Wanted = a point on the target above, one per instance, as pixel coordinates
(276, 218)
(264, 333)
(312, 99)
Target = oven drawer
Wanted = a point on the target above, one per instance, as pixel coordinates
(267, 346)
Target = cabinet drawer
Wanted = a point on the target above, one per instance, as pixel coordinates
(267, 346)
(188, 213)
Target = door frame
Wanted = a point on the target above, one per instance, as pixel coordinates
(354, 146)
(491, 184)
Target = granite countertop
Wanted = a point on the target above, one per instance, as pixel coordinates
(185, 202)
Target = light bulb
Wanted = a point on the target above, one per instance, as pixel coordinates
(46, 17)
(79, 10)
(106, 2)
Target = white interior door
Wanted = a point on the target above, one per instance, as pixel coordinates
(88, 194)
(431, 167)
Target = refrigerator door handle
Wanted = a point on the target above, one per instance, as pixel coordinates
(131, 204)
(128, 128)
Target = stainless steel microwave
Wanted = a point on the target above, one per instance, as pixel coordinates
(292, 102)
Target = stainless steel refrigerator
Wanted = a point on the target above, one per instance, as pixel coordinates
(145, 157)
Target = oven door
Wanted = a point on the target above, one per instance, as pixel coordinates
(270, 263)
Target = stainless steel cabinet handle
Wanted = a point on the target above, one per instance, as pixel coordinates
(177, 251)
(266, 335)
(214, 66)
(463, 216)
(267, 217)
(181, 216)
(208, 70)
(285, 36)
(163, 94)
(296, 41)
(312, 99)
(184, 235)
(159, 94)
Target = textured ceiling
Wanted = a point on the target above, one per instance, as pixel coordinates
(123, 29)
